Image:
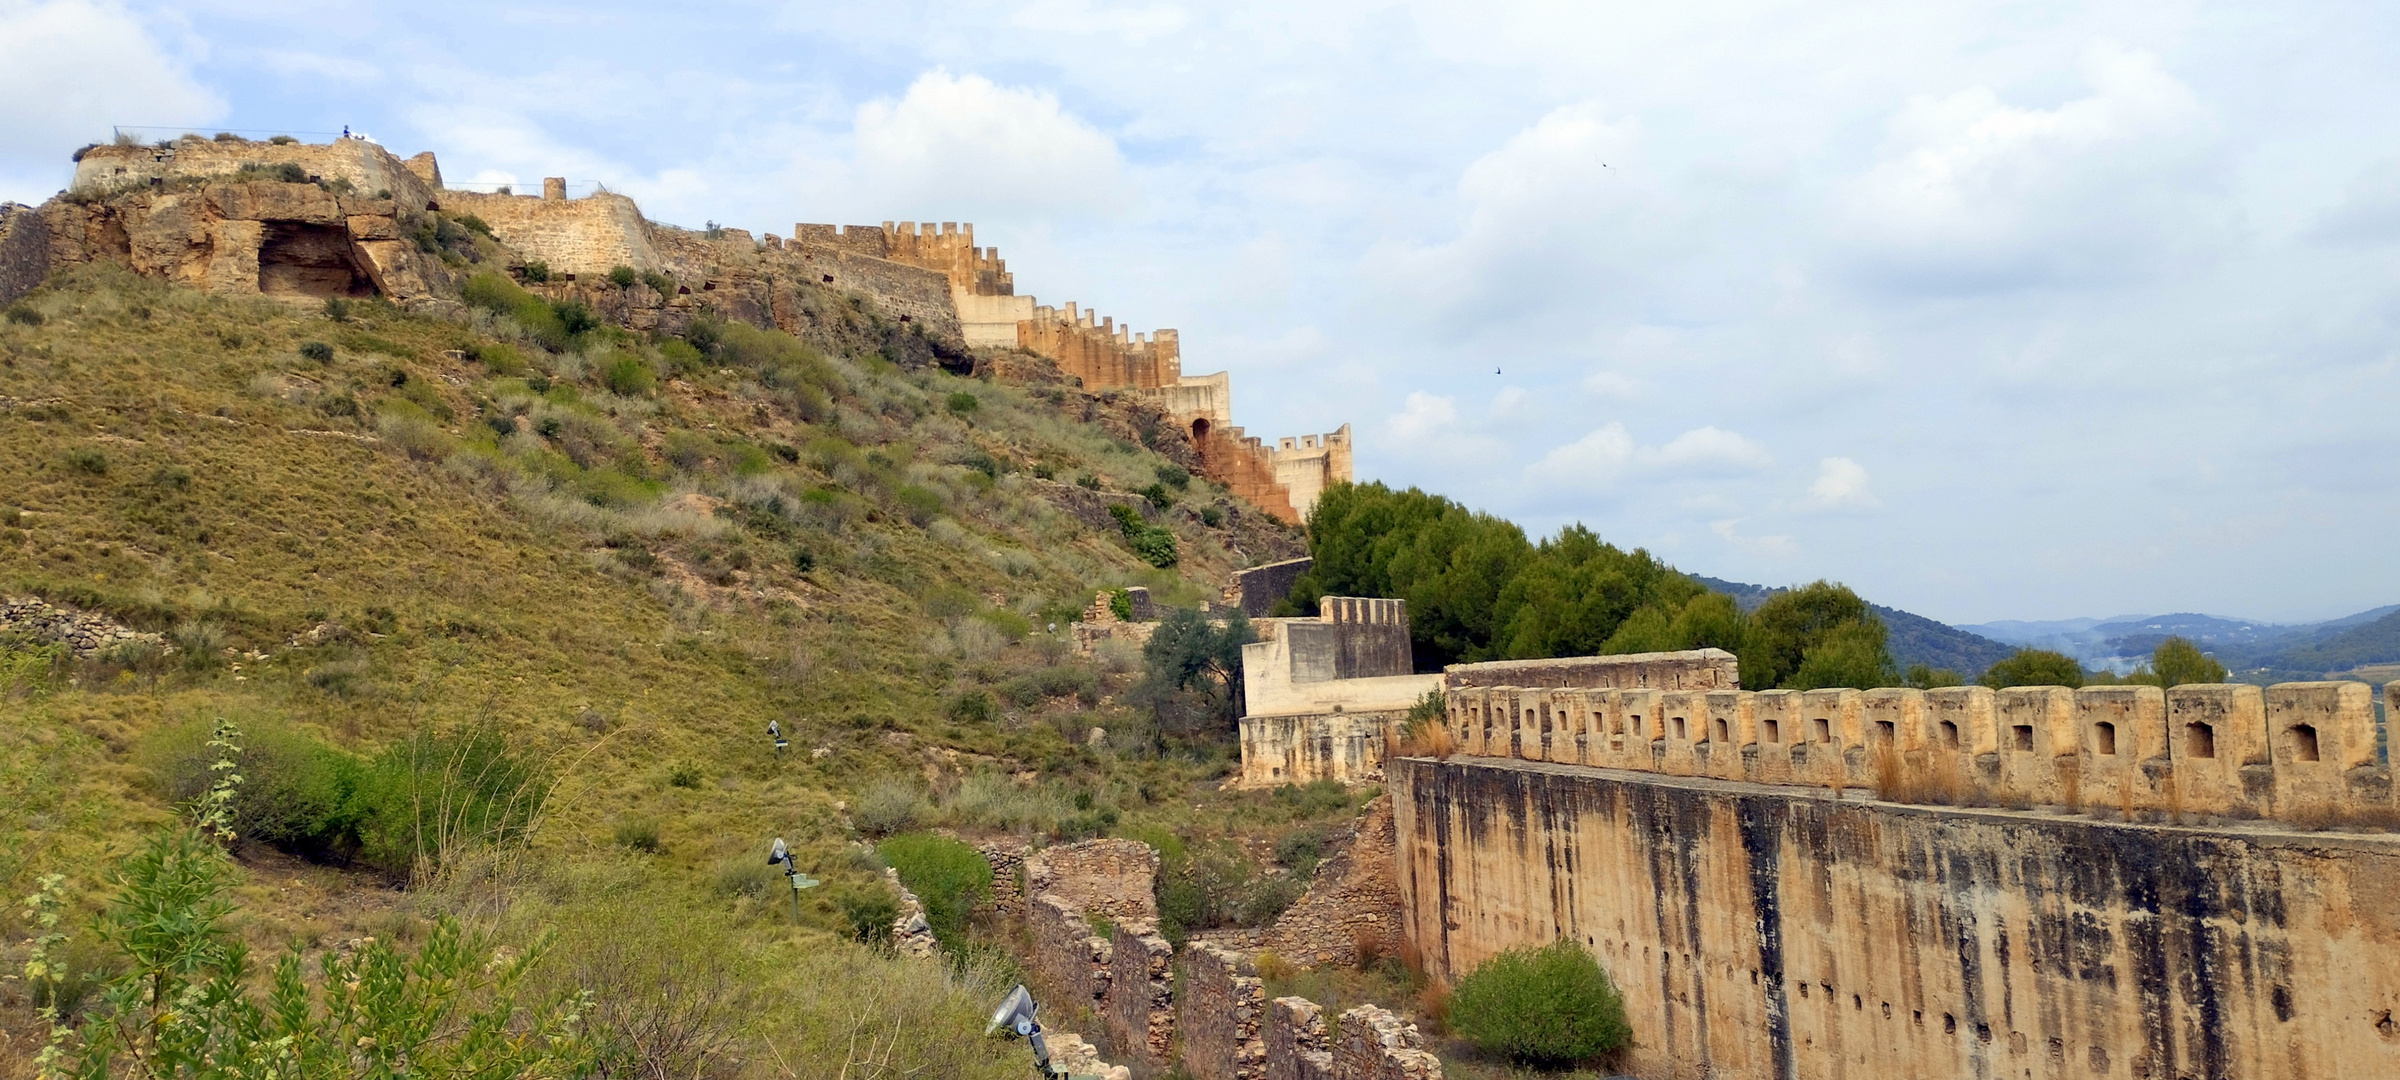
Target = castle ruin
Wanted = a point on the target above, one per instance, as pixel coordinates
(300, 220)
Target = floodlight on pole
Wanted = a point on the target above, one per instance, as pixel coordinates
(1013, 1019)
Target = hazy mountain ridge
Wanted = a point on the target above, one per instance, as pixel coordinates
(1914, 638)
(2304, 650)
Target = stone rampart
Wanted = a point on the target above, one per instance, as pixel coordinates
(1219, 1015)
(590, 235)
(1766, 930)
(2298, 752)
(371, 170)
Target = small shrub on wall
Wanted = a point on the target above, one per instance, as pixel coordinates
(1549, 1006)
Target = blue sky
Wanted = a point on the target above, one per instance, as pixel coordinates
(1993, 311)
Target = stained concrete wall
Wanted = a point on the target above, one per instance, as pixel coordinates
(1774, 931)
(1321, 694)
(1256, 589)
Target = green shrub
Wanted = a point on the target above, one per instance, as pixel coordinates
(438, 794)
(963, 403)
(1301, 850)
(870, 910)
(537, 271)
(628, 375)
(681, 356)
(1155, 545)
(1120, 603)
(919, 505)
(623, 276)
(1174, 476)
(1212, 517)
(639, 834)
(685, 774)
(475, 224)
(502, 360)
(297, 794)
(1551, 1006)
(659, 283)
(948, 877)
(337, 309)
(1159, 496)
(1088, 482)
(972, 707)
(88, 459)
(24, 315)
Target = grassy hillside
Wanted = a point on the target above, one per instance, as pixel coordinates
(626, 556)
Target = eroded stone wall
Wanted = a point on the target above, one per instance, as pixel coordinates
(1109, 878)
(1373, 1045)
(1770, 931)
(1223, 1005)
(1139, 1005)
(1352, 903)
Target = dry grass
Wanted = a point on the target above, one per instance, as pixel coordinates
(1430, 740)
(1931, 780)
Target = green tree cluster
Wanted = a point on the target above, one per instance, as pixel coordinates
(2175, 662)
(1478, 590)
(1192, 673)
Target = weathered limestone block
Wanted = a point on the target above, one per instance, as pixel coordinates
(1684, 722)
(1732, 734)
(1218, 1018)
(1779, 730)
(2037, 744)
(1139, 1005)
(1376, 1045)
(1295, 1041)
(2217, 736)
(2120, 729)
(269, 201)
(1963, 721)
(2317, 733)
(1070, 1053)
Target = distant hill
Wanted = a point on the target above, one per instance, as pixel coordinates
(1914, 639)
(2255, 650)
(2354, 645)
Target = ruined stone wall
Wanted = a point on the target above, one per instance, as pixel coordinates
(24, 250)
(2297, 752)
(1068, 956)
(1373, 1045)
(590, 235)
(1770, 931)
(1256, 589)
(1353, 902)
(1111, 878)
(1696, 669)
(270, 237)
(1219, 1015)
(371, 170)
(1139, 1005)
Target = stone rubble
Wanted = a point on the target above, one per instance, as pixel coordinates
(82, 632)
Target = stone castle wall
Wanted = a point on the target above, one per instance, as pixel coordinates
(1223, 1005)
(1770, 931)
(1696, 669)
(372, 171)
(2297, 752)
(1109, 878)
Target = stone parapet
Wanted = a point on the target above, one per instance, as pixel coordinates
(1295, 1041)
(1377, 1045)
(2300, 752)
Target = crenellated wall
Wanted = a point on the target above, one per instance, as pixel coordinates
(2300, 752)
(2115, 882)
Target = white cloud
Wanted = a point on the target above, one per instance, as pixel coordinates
(1974, 194)
(1422, 416)
(69, 70)
(955, 146)
(1607, 454)
(1841, 485)
(1613, 384)
(1774, 546)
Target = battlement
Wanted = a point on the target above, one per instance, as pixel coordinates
(2301, 752)
(1362, 611)
(1095, 349)
(947, 247)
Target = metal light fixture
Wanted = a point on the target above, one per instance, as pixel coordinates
(1014, 1020)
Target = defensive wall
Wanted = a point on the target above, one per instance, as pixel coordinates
(1325, 696)
(1319, 694)
(2030, 882)
(210, 213)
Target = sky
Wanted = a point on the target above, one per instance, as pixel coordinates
(1989, 310)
